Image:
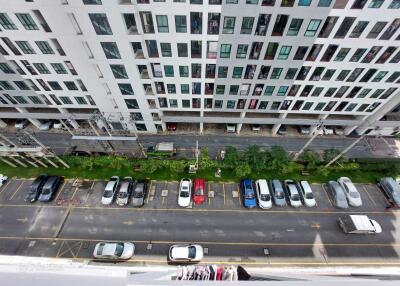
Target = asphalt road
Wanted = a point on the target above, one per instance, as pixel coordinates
(62, 142)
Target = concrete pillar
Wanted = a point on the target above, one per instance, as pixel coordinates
(275, 129)
(201, 127)
(2, 124)
(238, 128)
(349, 129)
(313, 128)
(323, 116)
(31, 120)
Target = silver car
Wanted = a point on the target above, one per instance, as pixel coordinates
(124, 191)
(114, 250)
(391, 189)
(139, 193)
(353, 196)
(278, 194)
(337, 193)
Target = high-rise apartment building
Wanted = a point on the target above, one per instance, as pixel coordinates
(145, 63)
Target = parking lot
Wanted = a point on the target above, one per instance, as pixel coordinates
(70, 225)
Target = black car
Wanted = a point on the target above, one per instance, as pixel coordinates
(50, 187)
(35, 188)
(139, 193)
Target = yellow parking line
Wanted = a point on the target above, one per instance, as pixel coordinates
(369, 195)
(61, 190)
(326, 194)
(16, 191)
(5, 186)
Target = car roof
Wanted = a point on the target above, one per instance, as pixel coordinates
(109, 249)
(263, 186)
(50, 181)
(306, 186)
(199, 182)
(110, 185)
(180, 251)
(124, 187)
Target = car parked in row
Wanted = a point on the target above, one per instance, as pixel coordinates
(248, 194)
(263, 194)
(139, 193)
(337, 194)
(184, 195)
(110, 190)
(125, 191)
(114, 250)
(292, 194)
(352, 195)
(306, 194)
(34, 190)
(50, 188)
(185, 253)
(3, 179)
(391, 189)
(278, 194)
(21, 123)
(199, 196)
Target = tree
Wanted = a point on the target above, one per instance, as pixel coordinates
(204, 160)
(329, 154)
(242, 170)
(279, 158)
(149, 166)
(254, 157)
(177, 166)
(117, 162)
(232, 157)
(311, 159)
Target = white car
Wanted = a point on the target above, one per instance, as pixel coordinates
(57, 125)
(292, 194)
(328, 130)
(114, 250)
(46, 125)
(124, 191)
(185, 190)
(109, 191)
(263, 194)
(306, 194)
(185, 253)
(3, 179)
(352, 195)
(21, 123)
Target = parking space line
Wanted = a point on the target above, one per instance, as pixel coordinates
(148, 192)
(223, 190)
(369, 195)
(208, 191)
(19, 187)
(238, 190)
(326, 194)
(5, 186)
(61, 190)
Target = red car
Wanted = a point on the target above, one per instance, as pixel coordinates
(171, 126)
(199, 196)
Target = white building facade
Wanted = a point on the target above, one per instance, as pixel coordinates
(145, 63)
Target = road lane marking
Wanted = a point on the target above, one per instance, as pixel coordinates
(223, 190)
(61, 190)
(5, 186)
(326, 194)
(16, 191)
(369, 195)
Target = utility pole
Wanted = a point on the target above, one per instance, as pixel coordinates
(315, 134)
(131, 120)
(345, 150)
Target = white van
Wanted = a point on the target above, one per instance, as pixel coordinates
(359, 224)
(231, 128)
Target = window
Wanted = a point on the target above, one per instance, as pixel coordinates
(119, 71)
(303, 73)
(229, 25)
(394, 5)
(264, 71)
(247, 25)
(241, 52)
(212, 47)
(329, 52)
(166, 49)
(213, 23)
(184, 88)
(294, 27)
(196, 20)
(25, 47)
(380, 75)
(324, 3)
(375, 31)
(171, 88)
(282, 90)
(126, 89)
(80, 100)
(280, 24)
(371, 54)
(44, 47)
(341, 55)
(342, 75)
(314, 52)
(183, 71)
(147, 22)
(276, 73)
(100, 23)
(357, 55)
(173, 103)
(376, 3)
(233, 90)
(92, 2)
(269, 90)
(319, 106)
(6, 22)
(195, 49)
(358, 29)
(59, 68)
(312, 28)
(368, 75)
(328, 74)
(327, 27)
(284, 52)
(54, 85)
(359, 4)
(271, 51)
(131, 104)
(41, 68)
(377, 93)
(268, 3)
(27, 21)
(291, 73)
(152, 48)
(237, 72)
(254, 2)
(21, 85)
(20, 99)
(162, 23)
(232, 1)
(344, 27)
(222, 72)
(250, 70)
(355, 74)
(300, 53)
(225, 51)
(110, 50)
(287, 3)
(180, 24)
(5, 68)
(182, 50)
(255, 50)
(304, 2)
(262, 24)
(393, 27)
(196, 70)
(70, 85)
(130, 23)
(220, 89)
(169, 71)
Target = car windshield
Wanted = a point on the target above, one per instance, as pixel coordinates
(265, 197)
(46, 191)
(249, 196)
(138, 194)
(309, 196)
(184, 194)
(279, 195)
(192, 252)
(185, 188)
(119, 248)
(108, 194)
(295, 197)
(354, 195)
(100, 249)
(199, 192)
(122, 195)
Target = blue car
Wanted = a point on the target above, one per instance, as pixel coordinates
(248, 193)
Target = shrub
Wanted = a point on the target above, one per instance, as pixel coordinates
(329, 154)
(311, 159)
(242, 170)
(279, 158)
(232, 157)
(149, 166)
(177, 166)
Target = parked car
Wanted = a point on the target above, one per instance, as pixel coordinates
(231, 128)
(185, 253)
(306, 194)
(263, 194)
(139, 193)
(21, 123)
(124, 191)
(34, 190)
(57, 125)
(248, 193)
(391, 189)
(110, 190)
(256, 127)
(304, 130)
(172, 126)
(282, 130)
(199, 196)
(328, 130)
(292, 194)
(352, 195)
(49, 188)
(184, 193)
(114, 250)
(337, 193)
(278, 195)
(45, 125)
(339, 131)
(3, 179)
